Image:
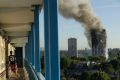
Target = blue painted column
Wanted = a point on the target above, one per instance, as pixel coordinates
(33, 43)
(26, 51)
(52, 56)
(29, 48)
(37, 39)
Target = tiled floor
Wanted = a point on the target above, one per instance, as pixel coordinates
(3, 76)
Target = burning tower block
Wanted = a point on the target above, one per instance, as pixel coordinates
(98, 42)
(81, 11)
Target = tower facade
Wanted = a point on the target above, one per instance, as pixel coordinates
(72, 47)
(98, 41)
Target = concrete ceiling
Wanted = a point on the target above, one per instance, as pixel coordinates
(19, 3)
(16, 17)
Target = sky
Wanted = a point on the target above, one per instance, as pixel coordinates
(109, 14)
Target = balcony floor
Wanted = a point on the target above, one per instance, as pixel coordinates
(23, 75)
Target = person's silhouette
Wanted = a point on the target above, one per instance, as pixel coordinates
(12, 63)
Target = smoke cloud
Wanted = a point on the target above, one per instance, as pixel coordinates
(81, 11)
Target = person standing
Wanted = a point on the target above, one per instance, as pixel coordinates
(12, 63)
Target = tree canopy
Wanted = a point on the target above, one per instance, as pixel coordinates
(99, 76)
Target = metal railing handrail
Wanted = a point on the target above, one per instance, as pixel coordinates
(35, 74)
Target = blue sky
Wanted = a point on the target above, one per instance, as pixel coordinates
(109, 13)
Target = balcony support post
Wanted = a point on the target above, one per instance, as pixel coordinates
(33, 44)
(37, 39)
(52, 56)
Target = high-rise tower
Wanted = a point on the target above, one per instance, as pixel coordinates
(98, 42)
(72, 47)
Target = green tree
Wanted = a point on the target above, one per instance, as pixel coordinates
(73, 64)
(84, 76)
(116, 64)
(94, 58)
(64, 62)
(118, 58)
(96, 67)
(99, 76)
(108, 68)
(82, 59)
(63, 78)
(102, 58)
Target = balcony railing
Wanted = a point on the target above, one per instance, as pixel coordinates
(32, 48)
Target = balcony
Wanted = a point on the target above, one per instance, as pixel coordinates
(19, 26)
